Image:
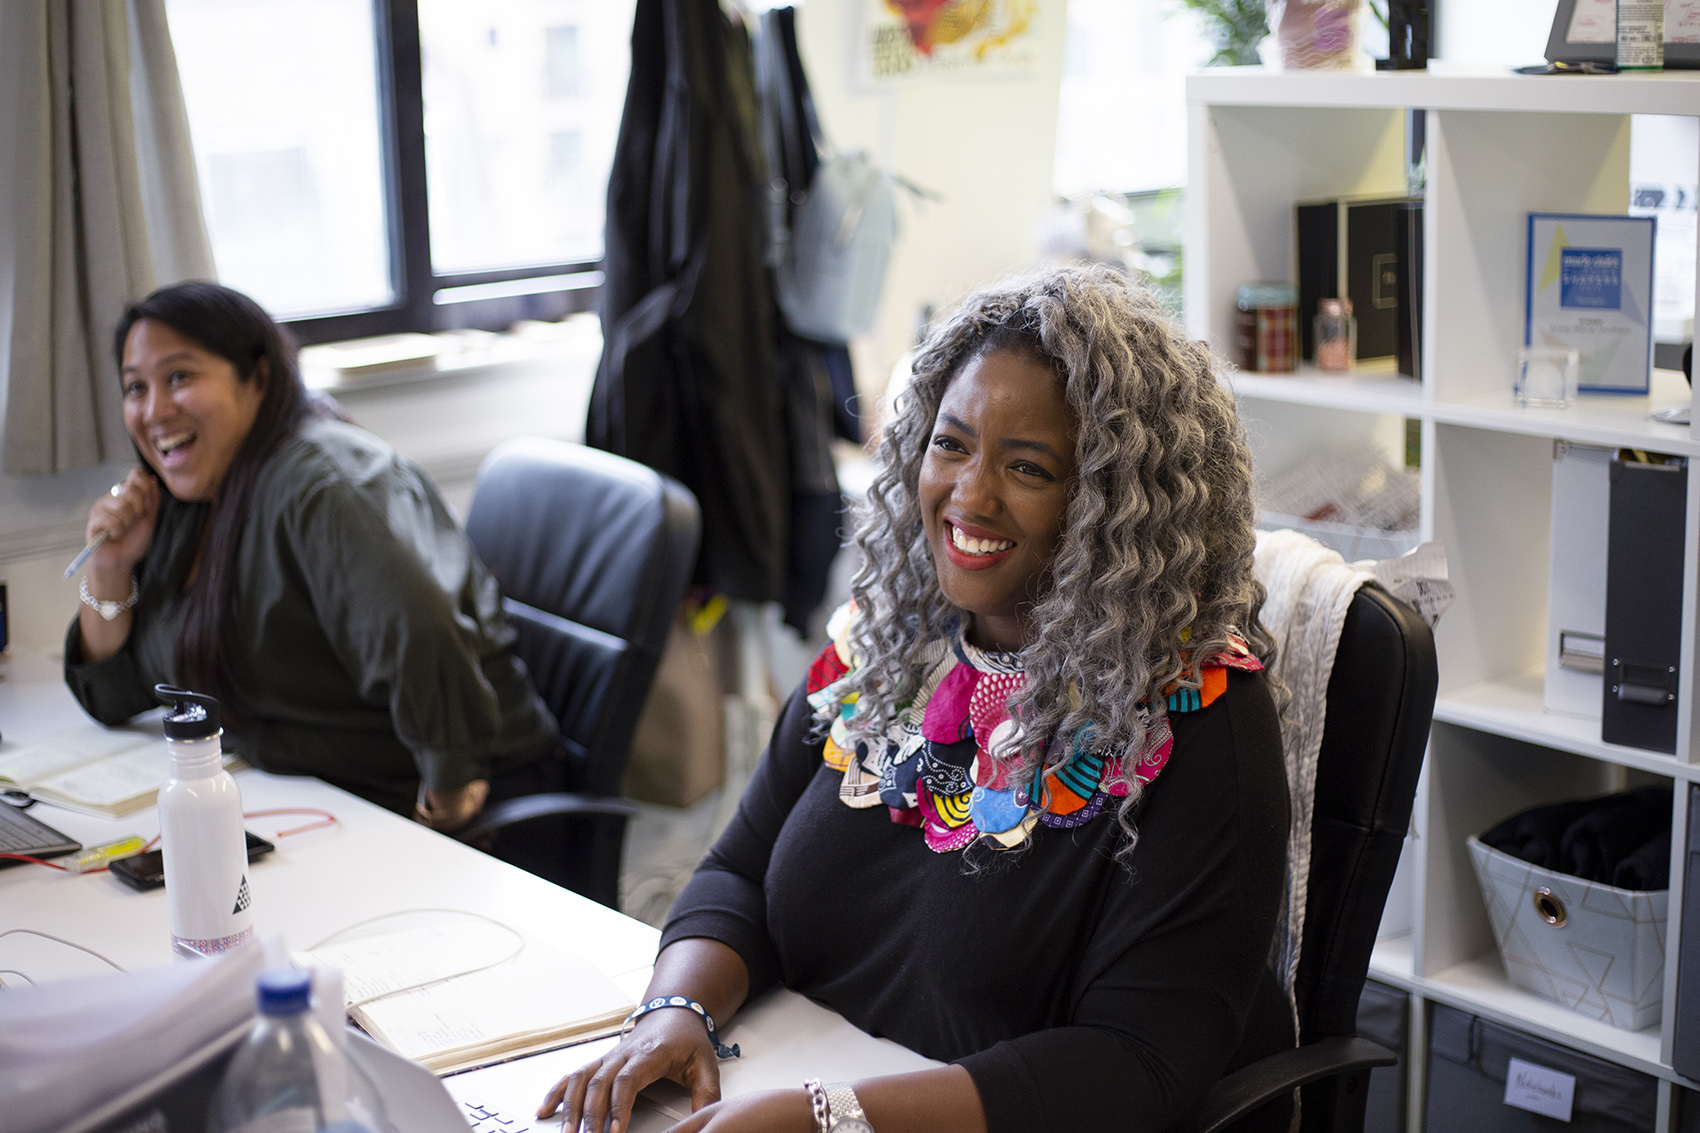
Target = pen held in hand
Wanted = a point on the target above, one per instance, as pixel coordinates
(83, 555)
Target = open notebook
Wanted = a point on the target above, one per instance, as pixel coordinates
(534, 999)
(104, 771)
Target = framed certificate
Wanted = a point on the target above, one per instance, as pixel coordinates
(1590, 286)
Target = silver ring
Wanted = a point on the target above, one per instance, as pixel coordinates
(115, 491)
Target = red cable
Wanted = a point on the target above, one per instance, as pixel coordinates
(38, 861)
(326, 818)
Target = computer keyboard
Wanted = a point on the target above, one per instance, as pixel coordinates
(487, 1119)
(21, 834)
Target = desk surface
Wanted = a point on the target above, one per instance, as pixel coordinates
(373, 862)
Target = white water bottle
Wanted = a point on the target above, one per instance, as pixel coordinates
(201, 836)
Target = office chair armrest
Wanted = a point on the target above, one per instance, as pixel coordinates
(527, 807)
(1268, 1078)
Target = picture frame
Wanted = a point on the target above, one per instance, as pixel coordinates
(1562, 49)
(1589, 285)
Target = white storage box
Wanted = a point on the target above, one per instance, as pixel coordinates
(1576, 579)
(1593, 948)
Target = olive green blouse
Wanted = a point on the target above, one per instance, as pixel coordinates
(378, 650)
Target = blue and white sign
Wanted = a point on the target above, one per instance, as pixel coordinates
(1590, 286)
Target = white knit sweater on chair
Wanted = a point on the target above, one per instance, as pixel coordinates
(1310, 588)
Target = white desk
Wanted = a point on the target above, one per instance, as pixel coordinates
(375, 862)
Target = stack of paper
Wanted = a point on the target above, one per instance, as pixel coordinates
(539, 998)
(91, 769)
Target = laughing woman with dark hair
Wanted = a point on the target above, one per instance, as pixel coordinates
(1028, 814)
(297, 568)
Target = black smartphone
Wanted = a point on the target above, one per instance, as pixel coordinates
(147, 871)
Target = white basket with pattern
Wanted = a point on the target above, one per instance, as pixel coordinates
(1593, 948)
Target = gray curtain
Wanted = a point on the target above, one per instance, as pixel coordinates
(102, 205)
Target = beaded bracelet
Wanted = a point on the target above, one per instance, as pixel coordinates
(683, 1001)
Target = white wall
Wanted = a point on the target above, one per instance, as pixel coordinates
(1493, 31)
(985, 145)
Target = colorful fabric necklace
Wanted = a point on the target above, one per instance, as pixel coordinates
(945, 764)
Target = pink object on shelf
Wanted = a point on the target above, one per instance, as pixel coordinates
(1315, 35)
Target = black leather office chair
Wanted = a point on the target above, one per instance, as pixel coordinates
(1380, 704)
(593, 553)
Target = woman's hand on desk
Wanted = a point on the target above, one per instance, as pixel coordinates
(663, 1044)
(670, 1042)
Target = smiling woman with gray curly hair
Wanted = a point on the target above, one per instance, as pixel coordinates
(1154, 566)
(1056, 619)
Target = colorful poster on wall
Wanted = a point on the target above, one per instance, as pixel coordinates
(904, 40)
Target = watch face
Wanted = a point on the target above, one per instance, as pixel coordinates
(853, 1125)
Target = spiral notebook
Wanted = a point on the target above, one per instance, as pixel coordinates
(104, 771)
(403, 989)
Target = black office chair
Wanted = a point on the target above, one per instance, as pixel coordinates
(1380, 704)
(593, 553)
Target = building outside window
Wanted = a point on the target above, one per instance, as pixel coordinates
(405, 165)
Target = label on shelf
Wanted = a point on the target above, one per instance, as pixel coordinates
(1539, 1090)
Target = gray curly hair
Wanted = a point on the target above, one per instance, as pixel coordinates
(1154, 566)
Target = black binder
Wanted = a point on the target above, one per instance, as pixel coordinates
(1644, 547)
(1368, 251)
(1685, 1035)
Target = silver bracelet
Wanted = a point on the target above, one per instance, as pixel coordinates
(108, 610)
(817, 1102)
(836, 1108)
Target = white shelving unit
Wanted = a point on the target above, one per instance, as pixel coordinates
(1499, 146)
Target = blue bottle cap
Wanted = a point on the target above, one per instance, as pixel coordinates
(283, 991)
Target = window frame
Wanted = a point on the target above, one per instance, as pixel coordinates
(401, 113)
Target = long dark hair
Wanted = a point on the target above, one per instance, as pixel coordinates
(210, 657)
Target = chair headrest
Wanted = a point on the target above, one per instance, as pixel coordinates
(582, 534)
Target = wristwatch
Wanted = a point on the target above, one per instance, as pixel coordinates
(843, 1112)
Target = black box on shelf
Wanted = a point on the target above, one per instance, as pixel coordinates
(1367, 250)
(1384, 1016)
(1472, 1061)
(1644, 547)
(1685, 1034)
(1408, 348)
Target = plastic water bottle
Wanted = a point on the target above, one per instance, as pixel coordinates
(201, 835)
(288, 1076)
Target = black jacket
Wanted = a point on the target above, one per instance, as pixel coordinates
(687, 380)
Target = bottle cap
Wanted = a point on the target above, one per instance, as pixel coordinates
(192, 716)
(283, 991)
(1335, 307)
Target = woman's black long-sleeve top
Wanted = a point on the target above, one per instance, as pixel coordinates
(1080, 993)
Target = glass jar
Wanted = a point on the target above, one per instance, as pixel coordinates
(1336, 334)
(1268, 328)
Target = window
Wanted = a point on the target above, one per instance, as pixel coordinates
(289, 145)
(1121, 122)
(387, 165)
